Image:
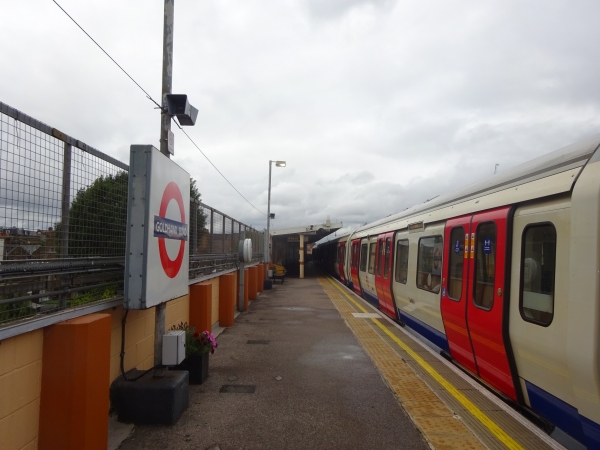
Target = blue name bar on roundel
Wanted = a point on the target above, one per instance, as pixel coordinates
(170, 229)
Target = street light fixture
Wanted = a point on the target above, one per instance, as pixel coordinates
(268, 240)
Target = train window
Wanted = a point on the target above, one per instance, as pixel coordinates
(538, 267)
(429, 263)
(372, 254)
(386, 265)
(402, 261)
(485, 265)
(363, 258)
(456, 266)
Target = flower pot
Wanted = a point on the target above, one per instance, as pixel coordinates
(197, 366)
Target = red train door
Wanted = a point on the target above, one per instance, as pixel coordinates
(354, 266)
(483, 283)
(454, 291)
(383, 278)
(341, 258)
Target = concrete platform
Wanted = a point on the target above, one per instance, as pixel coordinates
(313, 385)
(311, 366)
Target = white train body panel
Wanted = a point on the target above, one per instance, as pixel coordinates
(552, 326)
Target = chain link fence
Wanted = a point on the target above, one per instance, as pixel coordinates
(63, 215)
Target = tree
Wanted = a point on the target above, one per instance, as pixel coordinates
(197, 218)
(98, 217)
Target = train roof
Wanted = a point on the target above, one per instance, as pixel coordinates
(550, 174)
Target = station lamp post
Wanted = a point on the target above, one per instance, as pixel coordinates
(268, 243)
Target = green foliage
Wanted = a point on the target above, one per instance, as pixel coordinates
(93, 295)
(197, 217)
(98, 217)
(14, 311)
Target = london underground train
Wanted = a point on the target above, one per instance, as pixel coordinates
(502, 277)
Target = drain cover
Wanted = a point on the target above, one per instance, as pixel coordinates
(366, 315)
(257, 341)
(237, 389)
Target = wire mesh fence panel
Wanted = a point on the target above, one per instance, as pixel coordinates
(63, 222)
(97, 218)
(217, 233)
(228, 243)
(235, 236)
(62, 210)
(31, 166)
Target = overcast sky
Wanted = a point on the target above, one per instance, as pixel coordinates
(375, 105)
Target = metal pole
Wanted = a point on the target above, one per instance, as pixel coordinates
(268, 243)
(212, 230)
(241, 275)
(167, 76)
(165, 129)
(65, 203)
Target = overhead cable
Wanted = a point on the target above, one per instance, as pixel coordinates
(211, 163)
(159, 106)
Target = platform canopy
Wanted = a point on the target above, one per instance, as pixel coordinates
(291, 247)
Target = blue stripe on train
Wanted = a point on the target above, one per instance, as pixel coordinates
(564, 416)
(371, 298)
(591, 431)
(427, 331)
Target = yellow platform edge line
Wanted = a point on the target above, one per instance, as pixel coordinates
(459, 396)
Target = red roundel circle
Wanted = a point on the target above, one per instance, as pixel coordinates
(171, 266)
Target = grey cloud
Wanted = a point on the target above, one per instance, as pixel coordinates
(332, 9)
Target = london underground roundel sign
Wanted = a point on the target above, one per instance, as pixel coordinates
(158, 215)
(171, 229)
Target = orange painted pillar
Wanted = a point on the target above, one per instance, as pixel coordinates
(226, 300)
(201, 307)
(74, 398)
(245, 289)
(252, 292)
(260, 285)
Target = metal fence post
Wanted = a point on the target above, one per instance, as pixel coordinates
(224, 220)
(65, 201)
(212, 229)
(241, 276)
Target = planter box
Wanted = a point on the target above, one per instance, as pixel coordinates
(197, 366)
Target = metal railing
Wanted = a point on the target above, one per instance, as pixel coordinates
(63, 214)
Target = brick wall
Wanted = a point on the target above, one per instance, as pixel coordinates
(20, 386)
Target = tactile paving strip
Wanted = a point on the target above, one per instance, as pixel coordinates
(447, 423)
(438, 424)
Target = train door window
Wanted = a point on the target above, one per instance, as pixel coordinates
(380, 257)
(372, 254)
(485, 265)
(402, 261)
(456, 263)
(363, 257)
(386, 264)
(356, 255)
(429, 264)
(538, 267)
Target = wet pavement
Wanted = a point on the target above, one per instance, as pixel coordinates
(289, 375)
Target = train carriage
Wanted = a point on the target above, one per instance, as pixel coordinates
(503, 278)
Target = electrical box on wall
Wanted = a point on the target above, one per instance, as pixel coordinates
(173, 349)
